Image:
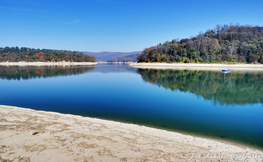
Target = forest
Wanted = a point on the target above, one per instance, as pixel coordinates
(225, 43)
(16, 54)
(234, 88)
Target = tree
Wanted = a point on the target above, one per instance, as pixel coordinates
(175, 46)
(231, 49)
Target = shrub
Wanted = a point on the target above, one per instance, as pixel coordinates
(187, 61)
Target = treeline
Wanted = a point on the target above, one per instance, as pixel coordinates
(225, 89)
(30, 72)
(230, 43)
(16, 54)
(129, 58)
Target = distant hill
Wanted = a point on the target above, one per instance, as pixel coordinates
(129, 58)
(105, 56)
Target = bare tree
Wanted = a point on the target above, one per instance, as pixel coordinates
(226, 27)
(218, 28)
(231, 49)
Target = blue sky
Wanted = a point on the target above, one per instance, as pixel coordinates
(116, 25)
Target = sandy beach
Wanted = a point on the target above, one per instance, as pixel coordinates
(192, 66)
(46, 63)
(39, 136)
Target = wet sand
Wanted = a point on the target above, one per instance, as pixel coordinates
(46, 63)
(39, 136)
(197, 66)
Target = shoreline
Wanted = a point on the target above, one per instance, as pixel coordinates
(46, 63)
(66, 137)
(197, 66)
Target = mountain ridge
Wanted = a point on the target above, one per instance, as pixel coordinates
(105, 55)
(128, 58)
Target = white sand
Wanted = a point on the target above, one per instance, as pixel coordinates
(192, 66)
(70, 138)
(46, 63)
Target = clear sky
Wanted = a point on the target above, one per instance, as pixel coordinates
(116, 25)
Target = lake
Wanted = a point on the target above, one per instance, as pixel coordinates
(223, 106)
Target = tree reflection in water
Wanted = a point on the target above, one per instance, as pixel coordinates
(225, 89)
(30, 72)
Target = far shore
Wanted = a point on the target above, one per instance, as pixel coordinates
(30, 135)
(63, 63)
(197, 66)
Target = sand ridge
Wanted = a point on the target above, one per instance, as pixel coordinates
(64, 137)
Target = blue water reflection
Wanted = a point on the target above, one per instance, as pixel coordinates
(167, 99)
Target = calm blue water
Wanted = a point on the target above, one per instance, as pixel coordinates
(205, 103)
